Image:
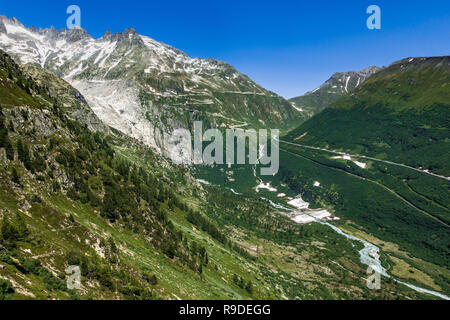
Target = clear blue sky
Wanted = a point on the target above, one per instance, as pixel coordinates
(289, 47)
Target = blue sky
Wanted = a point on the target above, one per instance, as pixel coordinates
(289, 47)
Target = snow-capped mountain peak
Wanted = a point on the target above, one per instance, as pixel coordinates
(338, 85)
(143, 87)
(344, 82)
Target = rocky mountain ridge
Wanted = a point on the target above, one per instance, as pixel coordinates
(145, 88)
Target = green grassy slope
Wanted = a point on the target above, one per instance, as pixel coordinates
(402, 211)
(399, 114)
(69, 198)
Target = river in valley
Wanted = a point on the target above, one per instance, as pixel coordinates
(368, 255)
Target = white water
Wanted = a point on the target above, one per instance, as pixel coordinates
(367, 254)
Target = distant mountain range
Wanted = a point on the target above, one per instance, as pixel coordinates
(145, 88)
(337, 86)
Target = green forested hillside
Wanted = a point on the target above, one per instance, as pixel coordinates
(138, 226)
(69, 198)
(399, 114)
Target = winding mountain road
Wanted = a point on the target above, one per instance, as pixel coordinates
(380, 185)
(365, 157)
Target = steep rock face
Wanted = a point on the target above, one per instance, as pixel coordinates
(334, 88)
(66, 96)
(145, 88)
(2, 27)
